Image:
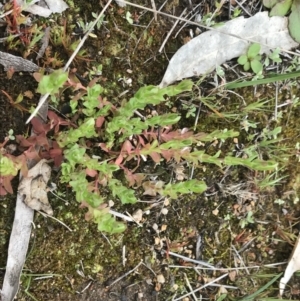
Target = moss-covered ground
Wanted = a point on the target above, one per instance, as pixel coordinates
(83, 264)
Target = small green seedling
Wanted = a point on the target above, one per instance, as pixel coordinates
(247, 220)
(129, 18)
(11, 134)
(252, 59)
(274, 56)
(236, 12)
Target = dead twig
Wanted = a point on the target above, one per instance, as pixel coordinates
(17, 63)
(170, 32)
(126, 274)
(201, 287)
(189, 286)
(45, 42)
(154, 8)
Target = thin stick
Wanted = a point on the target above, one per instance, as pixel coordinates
(240, 258)
(225, 286)
(126, 274)
(243, 8)
(201, 287)
(197, 116)
(192, 16)
(56, 195)
(2, 40)
(44, 214)
(6, 13)
(200, 262)
(276, 102)
(170, 32)
(189, 286)
(154, 7)
(106, 239)
(125, 217)
(44, 97)
(271, 265)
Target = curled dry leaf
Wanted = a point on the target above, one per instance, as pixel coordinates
(292, 267)
(161, 279)
(138, 215)
(153, 187)
(214, 47)
(120, 3)
(57, 6)
(34, 187)
(53, 6)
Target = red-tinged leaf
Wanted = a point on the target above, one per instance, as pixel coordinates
(88, 216)
(31, 154)
(150, 135)
(84, 204)
(176, 135)
(155, 157)
(55, 145)
(53, 116)
(167, 154)
(55, 126)
(31, 141)
(119, 160)
(177, 156)
(44, 154)
(104, 147)
(24, 169)
(39, 127)
(2, 191)
(78, 96)
(141, 140)
(37, 76)
(65, 122)
(127, 147)
(57, 155)
(4, 142)
(56, 121)
(58, 160)
(74, 82)
(91, 172)
(153, 187)
(42, 140)
(93, 82)
(99, 121)
(126, 150)
(129, 176)
(6, 184)
(134, 178)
